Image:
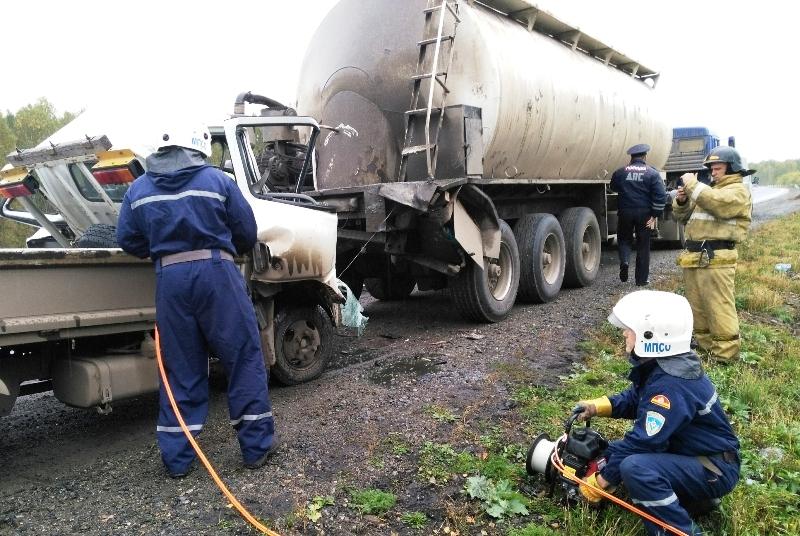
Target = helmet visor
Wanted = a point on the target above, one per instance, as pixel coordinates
(615, 321)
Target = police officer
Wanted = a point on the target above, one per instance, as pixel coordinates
(191, 218)
(681, 451)
(716, 217)
(640, 202)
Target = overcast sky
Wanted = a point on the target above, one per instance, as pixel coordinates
(729, 65)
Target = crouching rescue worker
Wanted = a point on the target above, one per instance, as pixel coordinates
(682, 451)
(191, 218)
(717, 218)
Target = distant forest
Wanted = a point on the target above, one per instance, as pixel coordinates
(778, 173)
(29, 126)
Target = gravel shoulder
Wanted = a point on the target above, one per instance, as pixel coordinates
(69, 471)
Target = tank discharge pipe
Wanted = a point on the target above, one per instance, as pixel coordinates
(207, 464)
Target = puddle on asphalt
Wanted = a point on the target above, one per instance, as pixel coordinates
(409, 366)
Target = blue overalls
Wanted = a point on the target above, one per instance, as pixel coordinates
(202, 305)
(681, 450)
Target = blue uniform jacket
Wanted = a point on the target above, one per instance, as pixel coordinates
(198, 207)
(639, 187)
(671, 414)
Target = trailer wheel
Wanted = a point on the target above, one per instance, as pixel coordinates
(303, 340)
(9, 389)
(98, 235)
(542, 257)
(583, 245)
(398, 287)
(488, 295)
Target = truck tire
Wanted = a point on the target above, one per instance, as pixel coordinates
(398, 287)
(303, 343)
(542, 257)
(98, 235)
(488, 295)
(583, 246)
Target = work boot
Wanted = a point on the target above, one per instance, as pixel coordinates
(623, 272)
(181, 474)
(276, 444)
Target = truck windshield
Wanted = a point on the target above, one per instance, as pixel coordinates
(115, 192)
(695, 145)
(276, 158)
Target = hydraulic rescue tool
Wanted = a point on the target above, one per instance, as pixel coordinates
(580, 451)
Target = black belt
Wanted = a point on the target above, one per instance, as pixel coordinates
(709, 245)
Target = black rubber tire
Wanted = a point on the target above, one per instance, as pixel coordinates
(354, 280)
(303, 344)
(399, 287)
(583, 246)
(471, 292)
(98, 235)
(542, 257)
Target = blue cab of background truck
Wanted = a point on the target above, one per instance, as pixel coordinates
(690, 145)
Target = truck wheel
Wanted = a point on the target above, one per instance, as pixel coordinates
(583, 245)
(9, 389)
(542, 257)
(303, 340)
(399, 287)
(98, 235)
(488, 295)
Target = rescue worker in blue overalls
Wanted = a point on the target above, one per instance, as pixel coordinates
(682, 451)
(191, 218)
(640, 202)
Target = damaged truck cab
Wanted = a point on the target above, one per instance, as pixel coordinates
(77, 314)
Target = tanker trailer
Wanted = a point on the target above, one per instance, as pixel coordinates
(469, 147)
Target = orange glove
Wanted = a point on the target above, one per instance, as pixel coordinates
(600, 407)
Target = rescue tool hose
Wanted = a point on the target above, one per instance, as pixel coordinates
(559, 465)
(220, 484)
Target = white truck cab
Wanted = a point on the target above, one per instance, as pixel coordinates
(70, 290)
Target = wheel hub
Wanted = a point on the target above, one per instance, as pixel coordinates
(301, 343)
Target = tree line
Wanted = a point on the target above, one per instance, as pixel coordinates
(783, 173)
(29, 126)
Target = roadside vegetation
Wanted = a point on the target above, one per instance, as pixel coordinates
(760, 393)
(24, 129)
(480, 469)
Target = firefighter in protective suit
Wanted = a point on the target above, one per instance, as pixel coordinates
(717, 217)
(681, 452)
(191, 218)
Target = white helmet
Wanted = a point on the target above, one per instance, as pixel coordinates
(195, 137)
(662, 322)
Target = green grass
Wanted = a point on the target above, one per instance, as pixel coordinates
(372, 501)
(13, 234)
(415, 520)
(761, 394)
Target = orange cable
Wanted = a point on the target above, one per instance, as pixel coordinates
(220, 484)
(560, 466)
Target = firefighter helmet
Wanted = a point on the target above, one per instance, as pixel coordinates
(190, 136)
(726, 154)
(662, 322)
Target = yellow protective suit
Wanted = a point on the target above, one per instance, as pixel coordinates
(719, 212)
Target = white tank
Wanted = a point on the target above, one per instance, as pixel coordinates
(548, 112)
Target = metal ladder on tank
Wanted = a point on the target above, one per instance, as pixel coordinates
(435, 77)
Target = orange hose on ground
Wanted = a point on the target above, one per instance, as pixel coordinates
(558, 464)
(220, 484)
